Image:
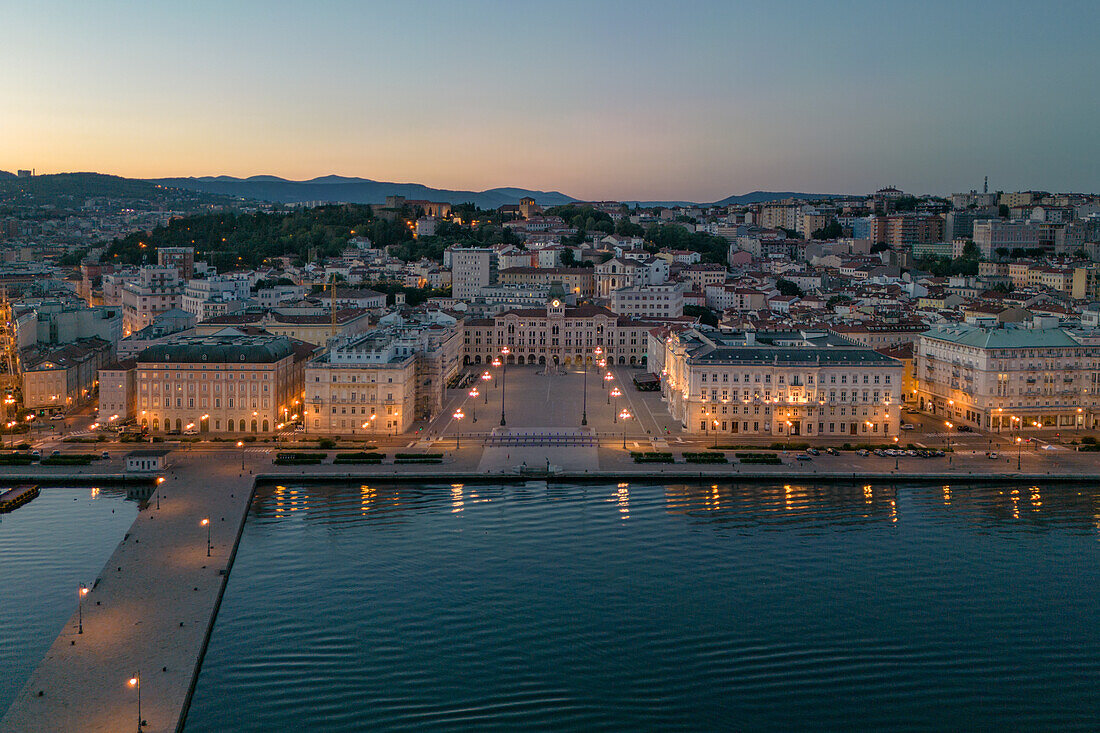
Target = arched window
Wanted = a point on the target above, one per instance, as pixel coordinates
(265, 426)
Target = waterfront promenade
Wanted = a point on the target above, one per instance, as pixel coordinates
(155, 600)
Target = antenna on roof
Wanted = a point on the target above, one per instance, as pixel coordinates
(985, 188)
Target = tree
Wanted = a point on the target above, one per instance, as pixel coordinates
(1001, 252)
(971, 251)
(832, 230)
(879, 247)
(705, 315)
(567, 258)
(627, 228)
(786, 287)
(1003, 211)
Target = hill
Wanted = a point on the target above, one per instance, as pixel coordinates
(756, 197)
(340, 189)
(70, 191)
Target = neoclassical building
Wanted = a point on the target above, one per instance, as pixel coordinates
(228, 383)
(1010, 377)
(557, 334)
(781, 383)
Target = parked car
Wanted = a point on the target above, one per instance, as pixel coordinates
(813, 451)
(832, 451)
(105, 455)
(36, 453)
(907, 426)
(804, 457)
(965, 429)
(992, 455)
(912, 411)
(863, 452)
(191, 431)
(57, 417)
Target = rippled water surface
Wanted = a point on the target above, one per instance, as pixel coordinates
(47, 549)
(651, 607)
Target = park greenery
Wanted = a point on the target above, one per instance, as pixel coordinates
(231, 241)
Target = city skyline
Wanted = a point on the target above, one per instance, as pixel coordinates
(699, 105)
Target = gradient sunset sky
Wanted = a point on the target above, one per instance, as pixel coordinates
(616, 100)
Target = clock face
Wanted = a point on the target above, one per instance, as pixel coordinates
(555, 303)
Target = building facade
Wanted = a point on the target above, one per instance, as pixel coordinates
(226, 383)
(382, 381)
(986, 377)
(557, 334)
(784, 383)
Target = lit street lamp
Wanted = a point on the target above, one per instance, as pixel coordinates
(81, 592)
(485, 378)
(609, 378)
(624, 415)
(949, 456)
(715, 423)
(206, 523)
(503, 377)
(616, 394)
(458, 415)
(135, 682)
(240, 445)
(474, 394)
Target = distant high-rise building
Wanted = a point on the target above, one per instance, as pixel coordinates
(181, 258)
(472, 268)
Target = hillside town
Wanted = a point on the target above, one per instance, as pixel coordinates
(831, 318)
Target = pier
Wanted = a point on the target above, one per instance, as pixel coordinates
(147, 615)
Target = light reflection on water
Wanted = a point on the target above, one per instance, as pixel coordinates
(640, 606)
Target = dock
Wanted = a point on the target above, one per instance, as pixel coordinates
(12, 499)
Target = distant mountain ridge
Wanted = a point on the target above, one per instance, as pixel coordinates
(344, 189)
(340, 189)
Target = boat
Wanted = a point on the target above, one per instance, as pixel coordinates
(13, 498)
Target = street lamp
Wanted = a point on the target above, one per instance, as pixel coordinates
(949, 456)
(206, 523)
(609, 378)
(81, 592)
(715, 423)
(624, 415)
(616, 394)
(135, 682)
(789, 426)
(485, 378)
(503, 378)
(240, 444)
(895, 453)
(474, 394)
(458, 415)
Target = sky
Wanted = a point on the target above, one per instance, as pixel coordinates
(693, 100)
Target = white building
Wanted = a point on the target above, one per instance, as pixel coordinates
(472, 268)
(649, 301)
(384, 380)
(995, 234)
(987, 376)
(781, 383)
